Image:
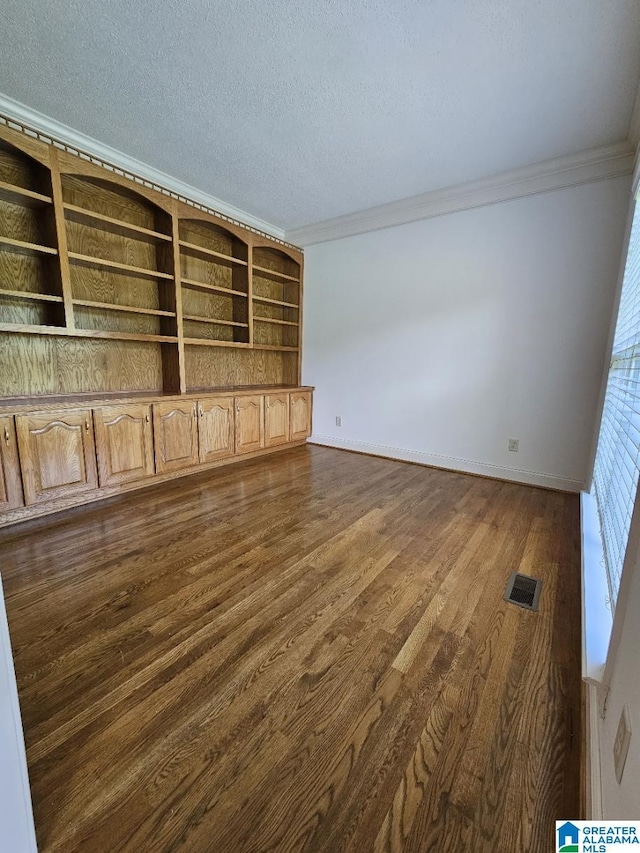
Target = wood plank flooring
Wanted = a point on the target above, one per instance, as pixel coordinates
(306, 652)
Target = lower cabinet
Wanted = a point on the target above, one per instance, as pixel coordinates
(53, 459)
(57, 454)
(249, 423)
(10, 480)
(175, 429)
(215, 428)
(124, 442)
(276, 419)
(299, 415)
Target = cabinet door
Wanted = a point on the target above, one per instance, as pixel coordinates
(124, 441)
(249, 423)
(10, 480)
(215, 428)
(57, 454)
(276, 419)
(300, 415)
(175, 430)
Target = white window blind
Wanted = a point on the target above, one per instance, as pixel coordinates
(615, 477)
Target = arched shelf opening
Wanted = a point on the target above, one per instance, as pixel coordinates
(121, 259)
(30, 284)
(215, 284)
(276, 299)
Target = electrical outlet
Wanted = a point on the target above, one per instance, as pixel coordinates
(338, 420)
(514, 445)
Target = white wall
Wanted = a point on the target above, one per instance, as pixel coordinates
(623, 801)
(17, 833)
(438, 340)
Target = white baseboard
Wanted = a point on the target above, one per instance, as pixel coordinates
(592, 745)
(452, 463)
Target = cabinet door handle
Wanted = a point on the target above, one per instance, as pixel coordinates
(146, 417)
(86, 425)
(6, 435)
(201, 412)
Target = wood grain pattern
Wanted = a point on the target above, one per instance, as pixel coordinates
(63, 270)
(175, 435)
(91, 365)
(300, 415)
(57, 454)
(276, 419)
(249, 423)
(89, 238)
(216, 428)
(11, 495)
(212, 664)
(219, 367)
(124, 443)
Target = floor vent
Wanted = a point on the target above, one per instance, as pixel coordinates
(523, 591)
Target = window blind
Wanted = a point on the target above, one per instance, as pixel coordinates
(617, 464)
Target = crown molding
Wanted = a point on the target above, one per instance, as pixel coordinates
(595, 164)
(37, 124)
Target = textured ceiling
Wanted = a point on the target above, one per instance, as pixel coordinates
(301, 111)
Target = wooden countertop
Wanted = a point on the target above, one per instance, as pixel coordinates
(9, 405)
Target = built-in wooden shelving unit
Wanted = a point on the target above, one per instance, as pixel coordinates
(215, 285)
(276, 300)
(30, 283)
(109, 286)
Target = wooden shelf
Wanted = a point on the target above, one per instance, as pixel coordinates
(109, 223)
(19, 195)
(210, 253)
(276, 348)
(113, 245)
(200, 285)
(204, 342)
(22, 248)
(24, 294)
(195, 319)
(264, 271)
(124, 336)
(89, 260)
(61, 331)
(111, 306)
(275, 302)
(276, 322)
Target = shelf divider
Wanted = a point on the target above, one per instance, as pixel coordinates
(204, 342)
(21, 247)
(275, 302)
(89, 260)
(110, 223)
(195, 319)
(26, 294)
(131, 309)
(200, 285)
(276, 322)
(63, 331)
(276, 348)
(181, 367)
(20, 195)
(61, 236)
(267, 273)
(211, 253)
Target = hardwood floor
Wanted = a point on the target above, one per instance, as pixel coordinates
(306, 652)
